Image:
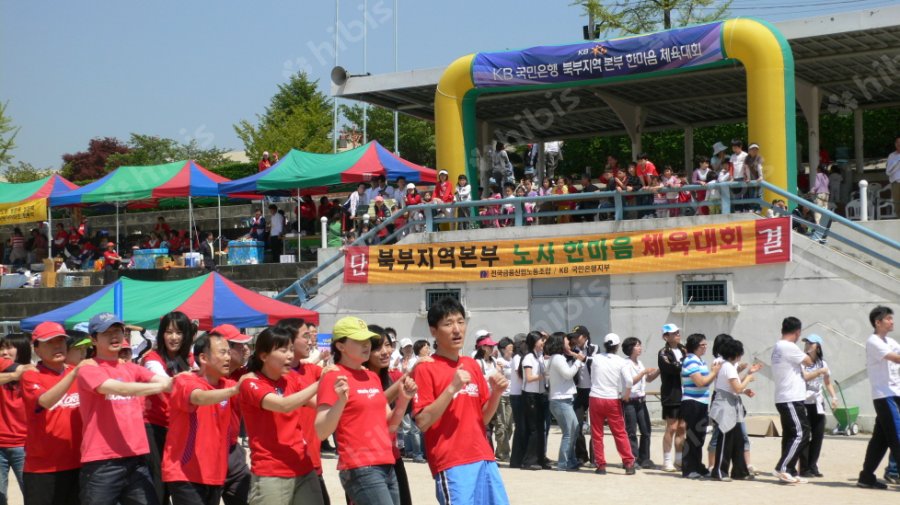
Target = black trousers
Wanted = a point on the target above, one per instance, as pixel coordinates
(190, 493)
(809, 456)
(583, 451)
(637, 417)
(794, 435)
(54, 488)
(236, 490)
(120, 481)
(730, 454)
(885, 435)
(519, 439)
(156, 437)
(402, 483)
(534, 429)
(696, 419)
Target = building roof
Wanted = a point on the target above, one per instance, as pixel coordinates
(853, 57)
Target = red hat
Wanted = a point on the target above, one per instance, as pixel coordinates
(47, 331)
(485, 340)
(231, 334)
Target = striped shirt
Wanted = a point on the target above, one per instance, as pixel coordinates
(693, 364)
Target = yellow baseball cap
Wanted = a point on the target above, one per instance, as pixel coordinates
(353, 328)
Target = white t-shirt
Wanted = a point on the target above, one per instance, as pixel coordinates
(892, 168)
(884, 375)
(562, 377)
(814, 388)
(276, 220)
(610, 376)
(726, 373)
(787, 372)
(507, 372)
(537, 368)
(515, 383)
(637, 390)
(737, 161)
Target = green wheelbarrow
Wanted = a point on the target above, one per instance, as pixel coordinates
(845, 416)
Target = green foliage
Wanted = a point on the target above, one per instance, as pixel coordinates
(8, 134)
(416, 135)
(236, 170)
(645, 16)
(25, 172)
(299, 116)
(152, 150)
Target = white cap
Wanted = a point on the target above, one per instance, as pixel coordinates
(718, 147)
(612, 339)
(410, 186)
(753, 146)
(265, 153)
(443, 172)
(405, 342)
(481, 333)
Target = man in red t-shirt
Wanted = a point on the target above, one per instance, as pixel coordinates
(195, 461)
(114, 444)
(645, 170)
(453, 406)
(53, 459)
(237, 481)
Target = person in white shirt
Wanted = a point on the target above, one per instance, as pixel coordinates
(892, 169)
(531, 372)
(484, 357)
(635, 409)
(276, 230)
(611, 384)
(563, 367)
(883, 366)
(503, 420)
(818, 378)
(727, 412)
(790, 393)
(738, 172)
(552, 155)
(463, 193)
(580, 341)
(517, 403)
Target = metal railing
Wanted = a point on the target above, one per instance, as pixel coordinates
(614, 205)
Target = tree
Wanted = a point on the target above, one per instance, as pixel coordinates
(416, 135)
(25, 172)
(644, 16)
(91, 164)
(151, 150)
(298, 116)
(8, 134)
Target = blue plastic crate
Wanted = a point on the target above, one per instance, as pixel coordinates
(145, 259)
(248, 252)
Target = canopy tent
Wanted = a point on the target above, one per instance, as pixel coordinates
(211, 299)
(179, 179)
(304, 170)
(14, 198)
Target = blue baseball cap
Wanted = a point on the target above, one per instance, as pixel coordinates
(814, 339)
(670, 328)
(102, 321)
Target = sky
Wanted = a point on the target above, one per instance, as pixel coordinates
(189, 70)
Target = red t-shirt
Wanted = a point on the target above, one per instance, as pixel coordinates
(308, 374)
(362, 434)
(54, 435)
(443, 192)
(277, 447)
(110, 258)
(234, 428)
(113, 424)
(645, 172)
(13, 427)
(194, 451)
(457, 437)
(157, 406)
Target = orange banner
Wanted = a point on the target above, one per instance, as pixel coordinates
(738, 244)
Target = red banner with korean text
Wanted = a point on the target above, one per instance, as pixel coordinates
(704, 247)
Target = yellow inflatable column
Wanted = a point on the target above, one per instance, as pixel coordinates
(448, 118)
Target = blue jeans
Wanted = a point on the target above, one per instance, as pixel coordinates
(411, 437)
(371, 485)
(10, 458)
(477, 482)
(564, 412)
(892, 467)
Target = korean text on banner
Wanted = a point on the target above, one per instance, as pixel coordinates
(737, 244)
(24, 212)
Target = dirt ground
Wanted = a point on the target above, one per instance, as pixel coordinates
(840, 463)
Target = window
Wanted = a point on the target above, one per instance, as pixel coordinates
(433, 295)
(705, 293)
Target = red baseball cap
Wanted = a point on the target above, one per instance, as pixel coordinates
(231, 334)
(47, 330)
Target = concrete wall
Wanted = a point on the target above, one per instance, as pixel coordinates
(830, 292)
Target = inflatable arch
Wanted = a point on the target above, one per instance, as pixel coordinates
(759, 46)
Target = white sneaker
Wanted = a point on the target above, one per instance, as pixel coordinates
(801, 480)
(669, 469)
(785, 477)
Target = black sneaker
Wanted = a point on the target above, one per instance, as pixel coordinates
(600, 470)
(871, 484)
(629, 470)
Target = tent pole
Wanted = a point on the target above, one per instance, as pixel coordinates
(117, 226)
(219, 202)
(50, 230)
(190, 225)
(298, 225)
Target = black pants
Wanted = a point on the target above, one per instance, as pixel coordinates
(794, 435)
(156, 437)
(730, 454)
(237, 481)
(584, 452)
(190, 493)
(402, 483)
(120, 481)
(809, 456)
(884, 436)
(534, 429)
(326, 500)
(637, 417)
(519, 439)
(696, 419)
(54, 488)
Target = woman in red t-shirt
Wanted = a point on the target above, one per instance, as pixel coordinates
(13, 425)
(353, 406)
(171, 356)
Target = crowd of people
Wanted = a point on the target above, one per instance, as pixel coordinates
(93, 420)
